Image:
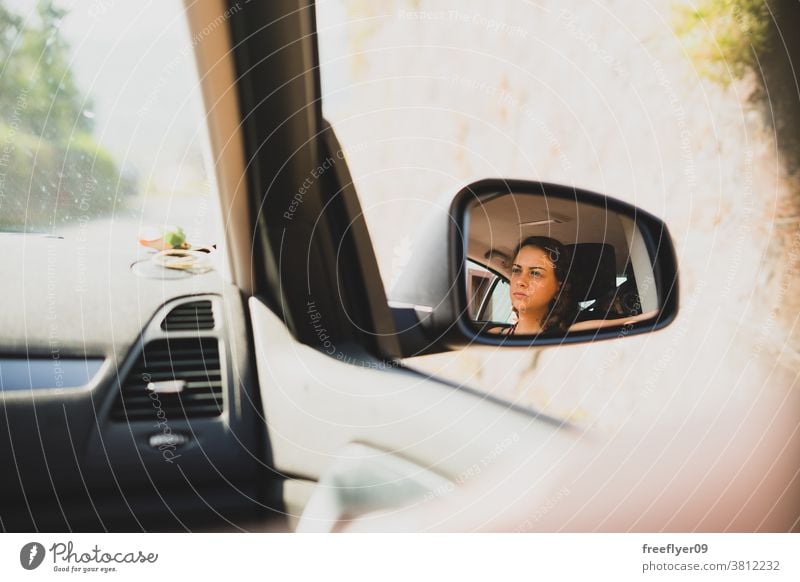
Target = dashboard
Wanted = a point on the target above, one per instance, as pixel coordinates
(128, 403)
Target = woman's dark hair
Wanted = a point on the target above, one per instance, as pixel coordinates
(563, 309)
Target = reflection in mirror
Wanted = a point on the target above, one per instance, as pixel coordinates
(546, 265)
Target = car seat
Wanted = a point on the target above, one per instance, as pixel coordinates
(592, 276)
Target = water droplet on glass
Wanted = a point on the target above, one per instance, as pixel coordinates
(88, 114)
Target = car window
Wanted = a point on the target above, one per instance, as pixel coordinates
(479, 285)
(489, 299)
(426, 97)
(497, 307)
(102, 127)
(405, 123)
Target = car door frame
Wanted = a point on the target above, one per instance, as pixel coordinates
(303, 206)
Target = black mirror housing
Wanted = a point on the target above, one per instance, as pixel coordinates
(435, 310)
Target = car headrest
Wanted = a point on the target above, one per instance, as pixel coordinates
(593, 271)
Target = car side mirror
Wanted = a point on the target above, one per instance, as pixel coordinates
(531, 263)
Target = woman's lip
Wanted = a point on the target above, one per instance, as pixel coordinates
(520, 295)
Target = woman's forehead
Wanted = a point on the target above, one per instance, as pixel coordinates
(533, 257)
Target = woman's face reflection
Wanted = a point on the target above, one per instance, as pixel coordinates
(533, 282)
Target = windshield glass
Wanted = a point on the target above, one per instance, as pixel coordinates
(102, 130)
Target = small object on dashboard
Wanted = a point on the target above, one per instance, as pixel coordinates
(205, 248)
(194, 261)
(171, 237)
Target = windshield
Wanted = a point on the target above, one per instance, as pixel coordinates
(102, 130)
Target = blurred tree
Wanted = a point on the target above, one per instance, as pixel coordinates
(723, 37)
(52, 171)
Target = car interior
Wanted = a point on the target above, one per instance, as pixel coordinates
(609, 273)
(137, 398)
(269, 393)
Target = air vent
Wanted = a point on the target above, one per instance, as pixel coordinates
(189, 317)
(173, 379)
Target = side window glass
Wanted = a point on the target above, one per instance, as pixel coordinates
(489, 298)
(479, 284)
(498, 305)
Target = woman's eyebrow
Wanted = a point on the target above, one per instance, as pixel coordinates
(542, 267)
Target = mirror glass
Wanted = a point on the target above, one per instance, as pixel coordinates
(537, 264)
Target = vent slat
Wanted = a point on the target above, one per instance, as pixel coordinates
(203, 306)
(200, 412)
(211, 391)
(167, 364)
(171, 354)
(197, 315)
(199, 366)
(139, 389)
(187, 374)
(188, 326)
(146, 404)
(196, 388)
